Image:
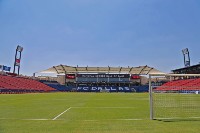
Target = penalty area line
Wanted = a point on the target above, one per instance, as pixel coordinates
(61, 113)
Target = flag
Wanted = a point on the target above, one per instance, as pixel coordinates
(5, 68)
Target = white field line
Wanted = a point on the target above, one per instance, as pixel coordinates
(181, 118)
(105, 107)
(128, 119)
(37, 119)
(75, 120)
(61, 113)
(101, 120)
(24, 119)
(115, 120)
(76, 108)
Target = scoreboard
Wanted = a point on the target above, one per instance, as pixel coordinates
(103, 75)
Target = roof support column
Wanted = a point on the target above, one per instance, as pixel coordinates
(56, 69)
(150, 70)
(143, 69)
(65, 72)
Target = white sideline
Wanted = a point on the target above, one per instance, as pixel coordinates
(61, 113)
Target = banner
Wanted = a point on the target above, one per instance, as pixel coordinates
(103, 75)
(135, 77)
(103, 88)
(17, 63)
(70, 76)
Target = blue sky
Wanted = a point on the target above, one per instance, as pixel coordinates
(99, 33)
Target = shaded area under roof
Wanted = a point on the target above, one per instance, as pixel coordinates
(64, 69)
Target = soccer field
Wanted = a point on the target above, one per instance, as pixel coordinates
(84, 113)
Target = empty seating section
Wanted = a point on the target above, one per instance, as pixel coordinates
(59, 87)
(187, 84)
(56, 85)
(17, 84)
(142, 88)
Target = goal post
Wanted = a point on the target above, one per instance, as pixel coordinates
(174, 96)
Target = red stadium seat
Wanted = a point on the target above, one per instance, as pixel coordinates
(17, 84)
(187, 84)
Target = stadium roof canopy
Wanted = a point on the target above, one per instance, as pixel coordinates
(64, 69)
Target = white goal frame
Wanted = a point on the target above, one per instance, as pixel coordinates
(151, 88)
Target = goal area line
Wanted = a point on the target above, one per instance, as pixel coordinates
(177, 119)
(56, 118)
(87, 120)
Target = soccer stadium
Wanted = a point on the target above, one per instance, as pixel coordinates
(99, 99)
(99, 66)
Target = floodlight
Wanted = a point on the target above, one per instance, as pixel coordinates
(19, 48)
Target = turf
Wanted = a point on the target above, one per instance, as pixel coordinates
(176, 105)
(88, 113)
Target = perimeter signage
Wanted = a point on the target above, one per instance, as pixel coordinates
(103, 88)
(103, 75)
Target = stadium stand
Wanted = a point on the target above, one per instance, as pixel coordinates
(142, 88)
(181, 85)
(9, 84)
(56, 85)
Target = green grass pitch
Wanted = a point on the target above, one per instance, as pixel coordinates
(84, 113)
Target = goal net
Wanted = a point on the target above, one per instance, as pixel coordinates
(174, 96)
